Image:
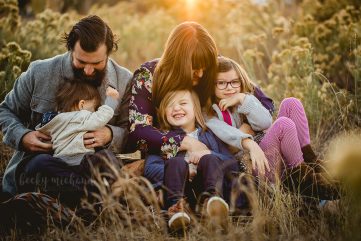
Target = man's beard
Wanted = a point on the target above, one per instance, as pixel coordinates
(96, 79)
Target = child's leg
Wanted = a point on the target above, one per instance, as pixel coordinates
(281, 142)
(175, 177)
(292, 108)
(210, 173)
(154, 170)
(209, 176)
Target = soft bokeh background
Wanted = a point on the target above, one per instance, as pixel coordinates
(310, 49)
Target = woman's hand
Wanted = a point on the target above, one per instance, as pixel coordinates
(235, 99)
(259, 160)
(192, 145)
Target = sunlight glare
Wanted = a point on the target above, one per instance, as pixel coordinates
(190, 4)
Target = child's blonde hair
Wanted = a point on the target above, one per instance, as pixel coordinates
(167, 100)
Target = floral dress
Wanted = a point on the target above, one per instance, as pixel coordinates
(144, 133)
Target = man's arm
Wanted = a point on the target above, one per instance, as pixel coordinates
(15, 111)
(120, 128)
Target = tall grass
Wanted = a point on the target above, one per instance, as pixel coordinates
(310, 50)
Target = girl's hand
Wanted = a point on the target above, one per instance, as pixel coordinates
(259, 160)
(195, 156)
(235, 99)
(245, 128)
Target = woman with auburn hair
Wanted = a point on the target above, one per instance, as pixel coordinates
(189, 62)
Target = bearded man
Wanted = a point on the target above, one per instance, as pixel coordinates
(89, 44)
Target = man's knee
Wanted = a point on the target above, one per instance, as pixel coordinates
(39, 164)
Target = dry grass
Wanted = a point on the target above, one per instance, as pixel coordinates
(290, 60)
(5, 155)
(131, 212)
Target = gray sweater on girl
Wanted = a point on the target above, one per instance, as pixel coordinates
(257, 115)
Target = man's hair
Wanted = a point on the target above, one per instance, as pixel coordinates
(91, 32)
(69, 95)
(168, 99)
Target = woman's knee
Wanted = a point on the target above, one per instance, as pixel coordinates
(154, 167)
(176, 162)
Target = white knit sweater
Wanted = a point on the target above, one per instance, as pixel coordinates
(67, 130)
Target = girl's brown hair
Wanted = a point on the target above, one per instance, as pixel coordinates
(168, 99)
(188, 47)
(69, 95)
(226, 64)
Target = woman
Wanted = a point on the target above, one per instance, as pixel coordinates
(189, 61)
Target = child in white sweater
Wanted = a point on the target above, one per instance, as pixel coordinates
(78, 113)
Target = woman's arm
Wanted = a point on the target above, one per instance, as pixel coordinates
(142, 115)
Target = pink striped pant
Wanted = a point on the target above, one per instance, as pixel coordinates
(283, 141)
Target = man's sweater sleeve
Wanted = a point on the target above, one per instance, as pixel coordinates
(15, 109)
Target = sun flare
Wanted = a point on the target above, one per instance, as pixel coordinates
(190, 4)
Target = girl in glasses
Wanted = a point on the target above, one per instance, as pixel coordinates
(281, 149)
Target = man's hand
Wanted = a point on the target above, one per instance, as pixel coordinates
(235, 99)
(259, 160)
(97, 138)
(35, 141)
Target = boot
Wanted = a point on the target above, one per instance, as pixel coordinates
(310, 159)
(304, 180)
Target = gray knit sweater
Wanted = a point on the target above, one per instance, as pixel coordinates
(258, 117)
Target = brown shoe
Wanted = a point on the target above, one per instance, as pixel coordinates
(214, 211)
(311, 159)
(304, 180)
(179, 217)
(217, 211)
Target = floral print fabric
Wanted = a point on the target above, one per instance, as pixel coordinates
(144, 133)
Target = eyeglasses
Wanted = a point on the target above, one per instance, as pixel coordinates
(221, 84)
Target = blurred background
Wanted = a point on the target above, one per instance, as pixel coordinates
(309, 49)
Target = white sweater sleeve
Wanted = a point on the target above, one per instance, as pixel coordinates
(95, 120)
(228, 134)
(258, 116)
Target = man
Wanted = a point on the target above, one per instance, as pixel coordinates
(89, 44)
